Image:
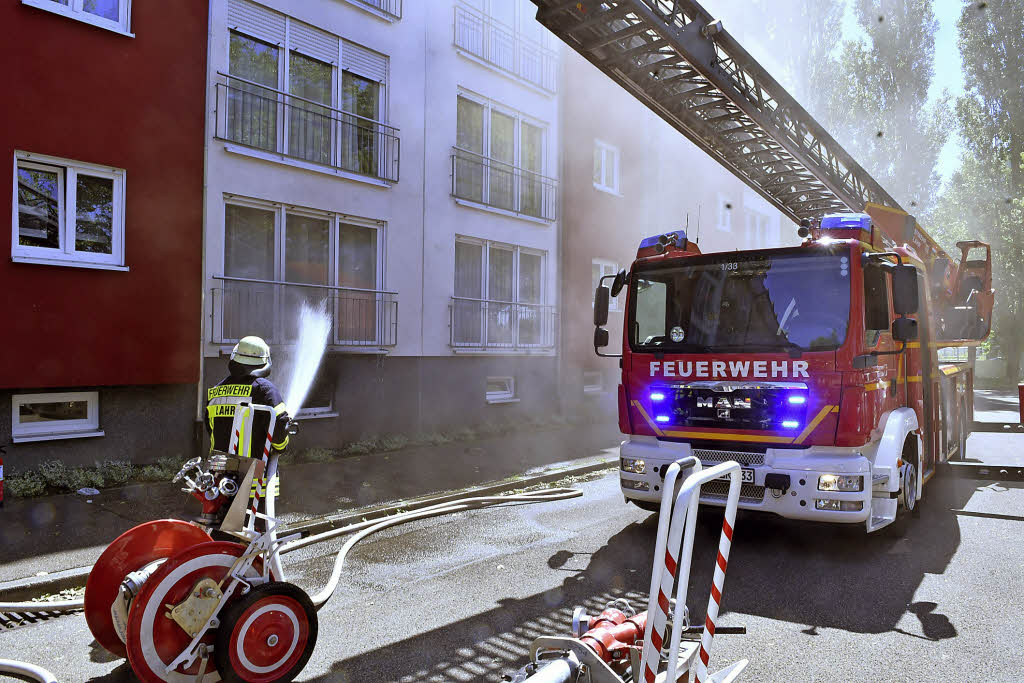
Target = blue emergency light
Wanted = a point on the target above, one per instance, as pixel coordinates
(653, 240)
(846, 220)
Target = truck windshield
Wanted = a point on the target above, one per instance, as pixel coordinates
(742, 302)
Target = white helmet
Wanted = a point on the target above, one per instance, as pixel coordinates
(251, 351)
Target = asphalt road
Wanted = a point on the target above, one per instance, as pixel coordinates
(461, 598)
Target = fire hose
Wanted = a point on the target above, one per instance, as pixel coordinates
(37, 673)
(363, 530)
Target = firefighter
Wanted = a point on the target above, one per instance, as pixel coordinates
(246, 382)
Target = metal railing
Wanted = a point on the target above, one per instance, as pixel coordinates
(485, 324)
(504, 48)
(392, 8)
(256, 116)
(268, 308)
(480, 179)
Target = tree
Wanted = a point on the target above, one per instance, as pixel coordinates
(878, 103)
(985, 198)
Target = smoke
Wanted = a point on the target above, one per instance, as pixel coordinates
(314, 332)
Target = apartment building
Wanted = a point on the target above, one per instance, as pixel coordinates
(628, 175)
(397, 164)
(102, 133)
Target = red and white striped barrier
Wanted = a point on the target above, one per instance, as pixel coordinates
(673, 553)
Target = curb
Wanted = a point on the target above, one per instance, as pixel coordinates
(34, 586)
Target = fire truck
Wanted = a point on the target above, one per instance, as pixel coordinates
(839, 372)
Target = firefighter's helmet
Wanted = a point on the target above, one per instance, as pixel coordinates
(251, 350)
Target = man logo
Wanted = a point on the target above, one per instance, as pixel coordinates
(723, 402)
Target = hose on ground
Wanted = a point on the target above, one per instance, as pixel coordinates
(481, 502)
(362, 530)
(37, 673)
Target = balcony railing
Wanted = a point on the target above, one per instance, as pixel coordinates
(270, 309)
(494, 183)
(502, 47)
(263, 118)
(391, 8)
(483, 324)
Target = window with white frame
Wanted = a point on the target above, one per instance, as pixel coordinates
(598, 269)
(593, 382)
(319, 402)
(500, 158)
(276, 257)
(505, 34)
(724, 213)
(499, 295)
(300, 91)
(759, 231)
(67, 211)
(110, 14)
(606, 167)
(500, 390)
(46, 416)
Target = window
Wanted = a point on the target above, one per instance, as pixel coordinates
(499, 159)
(606, 167)
(505, 34)
(759, 234)
(593, 382)
(319, 402)
(598, 269)
(110, 14)
(499, 295)
(876, 305)
(339, 257)
(42, 417)
(501, 390)
(68, 212)
(725, 209)
(296, 90)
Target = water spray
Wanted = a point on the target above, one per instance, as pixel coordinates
(314, 333)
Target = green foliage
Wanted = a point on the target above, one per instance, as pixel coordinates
(25, 485)
(984, 199)
(116, 472)
(320, 455)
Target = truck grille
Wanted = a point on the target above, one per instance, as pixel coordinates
(719, 490)
(715, 457)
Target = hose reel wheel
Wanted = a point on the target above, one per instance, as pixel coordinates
(267, 636)
(155, 636)
(131, 552)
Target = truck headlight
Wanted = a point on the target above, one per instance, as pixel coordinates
(840, 482)
(635, 466)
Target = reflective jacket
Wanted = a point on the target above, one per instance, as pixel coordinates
(234, 390)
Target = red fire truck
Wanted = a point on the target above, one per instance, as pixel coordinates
(820, 368)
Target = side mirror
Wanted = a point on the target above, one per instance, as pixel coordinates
(904, 329)
(904, 290)
(601, 297)
(600, 337)
(619, 282)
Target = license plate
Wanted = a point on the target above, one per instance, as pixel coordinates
(746, 476)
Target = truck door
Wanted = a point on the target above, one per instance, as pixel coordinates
(930, 390)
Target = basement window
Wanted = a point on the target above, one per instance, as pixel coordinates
(593, 382)
(501, 390)
(44, 417)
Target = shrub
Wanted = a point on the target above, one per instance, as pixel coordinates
(26, 485)
(318, 455)
(116, 472)
(363, 447)
(393, 443)
(152, 473)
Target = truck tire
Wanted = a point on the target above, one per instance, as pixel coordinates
(908, 505)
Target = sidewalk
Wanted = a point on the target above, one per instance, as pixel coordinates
(55, 533)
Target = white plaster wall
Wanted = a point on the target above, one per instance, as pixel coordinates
(422, 219)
